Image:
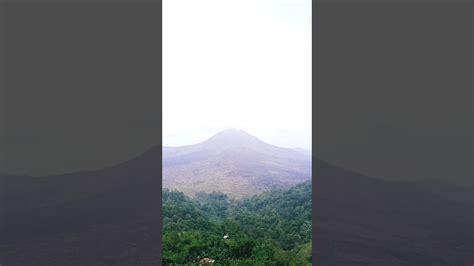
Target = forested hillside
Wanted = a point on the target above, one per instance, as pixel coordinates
(273, 228)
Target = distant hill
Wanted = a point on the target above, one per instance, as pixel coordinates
(235, 163)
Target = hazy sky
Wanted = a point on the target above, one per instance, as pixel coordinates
(237, 64)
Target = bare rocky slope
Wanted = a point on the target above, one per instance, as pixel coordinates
(235, 163)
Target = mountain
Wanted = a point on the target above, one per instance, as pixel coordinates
(113, 216)
(304, 151)
(362, 220)
(235, 163)
(110, 216)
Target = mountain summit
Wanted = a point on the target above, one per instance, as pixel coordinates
(233, 162)
(232, 134)
(233, 138)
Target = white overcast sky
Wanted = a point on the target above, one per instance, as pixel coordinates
(242, 64)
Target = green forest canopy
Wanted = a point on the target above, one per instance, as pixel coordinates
(272, 228)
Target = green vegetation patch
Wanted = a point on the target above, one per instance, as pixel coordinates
(273, 228)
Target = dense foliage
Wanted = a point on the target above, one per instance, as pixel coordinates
(273, 228)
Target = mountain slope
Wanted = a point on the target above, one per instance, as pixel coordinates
(235, 163)
(113, 217)
(360, 220)
(109, 216)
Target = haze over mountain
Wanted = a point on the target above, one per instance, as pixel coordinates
(233, 162)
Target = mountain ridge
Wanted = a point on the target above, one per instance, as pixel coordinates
(233, 138)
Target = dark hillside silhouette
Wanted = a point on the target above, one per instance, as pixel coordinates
(112, 216)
